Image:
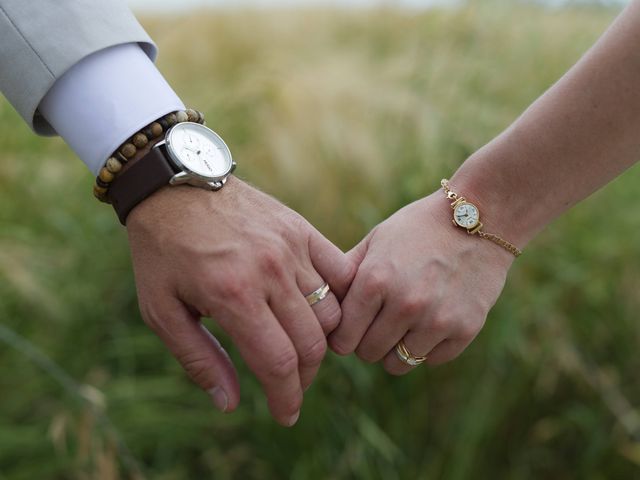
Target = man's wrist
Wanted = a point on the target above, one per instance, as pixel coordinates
(176, 200)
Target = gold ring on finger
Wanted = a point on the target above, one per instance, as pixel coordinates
(405, 355)
(318, 295)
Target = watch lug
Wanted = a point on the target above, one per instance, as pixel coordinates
(457, 202)
(217, 185)
(476, 229)
(161, 143)
(234, 165)
(180, 179)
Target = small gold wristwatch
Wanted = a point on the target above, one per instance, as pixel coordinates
(466, 215)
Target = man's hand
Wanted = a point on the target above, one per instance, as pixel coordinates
(247, 261)
(422, 280)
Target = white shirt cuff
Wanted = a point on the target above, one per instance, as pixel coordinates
(104, 99)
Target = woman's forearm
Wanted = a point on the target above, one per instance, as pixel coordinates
(574, 139)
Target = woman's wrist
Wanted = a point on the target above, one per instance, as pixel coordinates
(440, 216)
(510, 203)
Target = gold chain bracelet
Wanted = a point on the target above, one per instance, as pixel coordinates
(466, 215)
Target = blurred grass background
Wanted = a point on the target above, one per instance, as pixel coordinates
(346, 116)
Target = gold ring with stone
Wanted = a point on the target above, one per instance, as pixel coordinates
(407, 357)
(318, 295)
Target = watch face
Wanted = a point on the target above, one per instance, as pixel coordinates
(466, 215)
(199, 151)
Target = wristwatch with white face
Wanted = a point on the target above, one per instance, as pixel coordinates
(190, 154)
(466, 215)
(202, 156)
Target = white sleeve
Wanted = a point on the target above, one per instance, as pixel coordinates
(104, 99)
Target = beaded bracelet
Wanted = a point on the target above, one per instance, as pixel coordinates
(141, 139)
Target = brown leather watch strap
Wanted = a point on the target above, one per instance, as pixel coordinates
(139, 181)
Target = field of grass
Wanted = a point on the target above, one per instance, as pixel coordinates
(345, 116)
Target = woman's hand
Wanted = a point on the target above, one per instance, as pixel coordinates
(421, 280)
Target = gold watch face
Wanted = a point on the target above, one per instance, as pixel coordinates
(466, 215)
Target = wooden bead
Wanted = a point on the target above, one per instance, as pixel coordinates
(121, 158)
(171, 119)
(128, 150)
(140, 140)
(192, 115)
(113, 165)
(98, 190)
(152, 131)
(182, 117)
(156, 129)
(200, 117)
(100, 196)
(100, 183)
(164, 124)
(106, 176)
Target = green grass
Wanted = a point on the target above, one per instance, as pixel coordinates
(345, 116)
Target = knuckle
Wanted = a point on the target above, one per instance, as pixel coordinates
(197, 367)
(439, 324)
(283, 366)
(331, 321)
(272, 262)
(234, 287)
(314, 354)
(412, 306)
(295, 225)
(329, 315)
(148, 316)
(375, 281)
(339, 346)
(350, 269)
(152, 318)
(365, 355)
(469, 330)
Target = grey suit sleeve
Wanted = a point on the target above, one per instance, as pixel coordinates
(41, 39)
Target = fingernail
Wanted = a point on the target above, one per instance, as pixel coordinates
(293, 420)
(220, 399)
